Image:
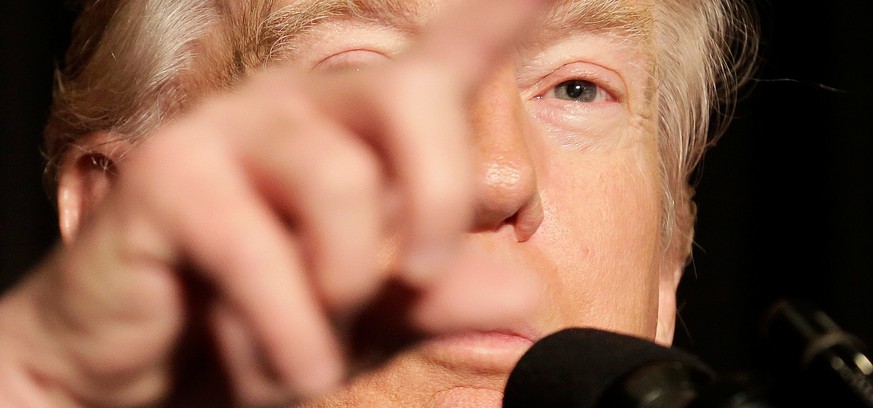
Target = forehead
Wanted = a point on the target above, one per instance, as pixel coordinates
(630, 18)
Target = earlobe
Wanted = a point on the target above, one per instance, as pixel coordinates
(669, 283)
(86, 176)
(671, 274)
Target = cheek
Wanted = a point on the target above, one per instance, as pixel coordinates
(602, 228)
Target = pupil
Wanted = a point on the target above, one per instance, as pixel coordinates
(575, 89)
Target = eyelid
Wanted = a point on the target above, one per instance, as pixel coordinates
(607, 80)
(350, 58)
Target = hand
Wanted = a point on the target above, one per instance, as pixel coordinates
(260, 216)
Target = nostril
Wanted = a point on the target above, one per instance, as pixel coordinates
(528, 219)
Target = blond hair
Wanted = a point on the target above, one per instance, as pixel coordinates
(135, 64)
(706, 51)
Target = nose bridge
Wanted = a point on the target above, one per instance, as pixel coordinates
(507, 186)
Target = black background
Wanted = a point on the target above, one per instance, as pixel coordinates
(785, 197)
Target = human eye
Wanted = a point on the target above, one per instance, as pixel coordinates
(578, 90)
(350, 60)
(574, 101)
(573, 85)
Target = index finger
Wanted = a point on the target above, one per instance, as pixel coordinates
(464, 42)
(430, 141)
(414, 112)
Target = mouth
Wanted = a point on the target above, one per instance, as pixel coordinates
(477, 350)
(480, 352)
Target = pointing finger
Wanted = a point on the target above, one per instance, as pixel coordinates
(420, 122)
(465, 42)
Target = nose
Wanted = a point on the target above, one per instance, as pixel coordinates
(506, 189)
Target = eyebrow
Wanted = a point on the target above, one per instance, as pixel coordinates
(631, 19)
(632, 22)
(302, 13)
(277, 32)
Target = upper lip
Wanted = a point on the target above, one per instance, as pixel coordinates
(522, 330)
(526, 332)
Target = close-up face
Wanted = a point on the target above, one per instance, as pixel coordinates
(581, 137)
(569, 186)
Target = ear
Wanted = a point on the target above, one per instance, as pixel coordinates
(86, 175)
(676, 259)
(667, 285)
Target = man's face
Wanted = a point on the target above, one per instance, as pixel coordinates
(569, 187)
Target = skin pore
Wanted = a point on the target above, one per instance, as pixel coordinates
(564, 135)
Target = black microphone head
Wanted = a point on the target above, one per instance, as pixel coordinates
(817, 360)
(579, 368)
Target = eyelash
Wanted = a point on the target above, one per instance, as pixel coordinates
(351, 59)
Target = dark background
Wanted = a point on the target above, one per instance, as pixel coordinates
(785, 197)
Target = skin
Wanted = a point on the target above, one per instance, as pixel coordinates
(271, 220)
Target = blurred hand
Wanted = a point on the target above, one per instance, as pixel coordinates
(259, 218)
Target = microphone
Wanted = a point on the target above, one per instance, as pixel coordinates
(589, 368)
(827, 363)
